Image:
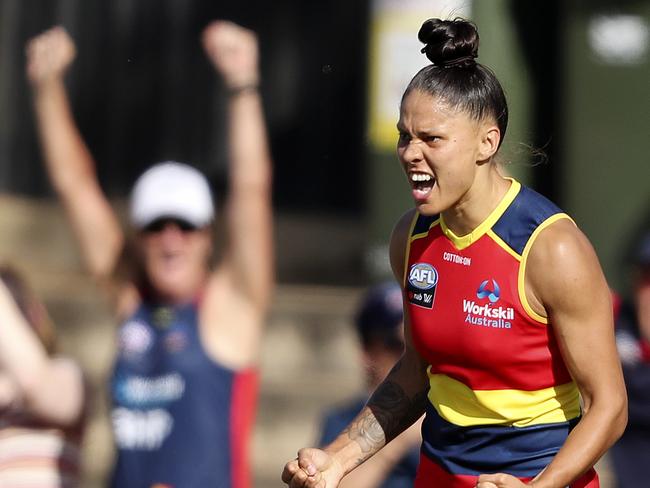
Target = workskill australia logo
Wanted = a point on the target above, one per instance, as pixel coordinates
(422, 283)
(492, 294)
(487, 314)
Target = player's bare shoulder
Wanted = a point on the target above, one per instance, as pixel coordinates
(561, 261)
(561, 243)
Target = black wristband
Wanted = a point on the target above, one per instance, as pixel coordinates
(241, 89)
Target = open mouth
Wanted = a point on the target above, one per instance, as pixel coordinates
(422, 184)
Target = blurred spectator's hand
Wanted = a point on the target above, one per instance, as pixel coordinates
(49, 54)
(233, 52)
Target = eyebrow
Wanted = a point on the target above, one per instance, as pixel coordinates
(429, 131)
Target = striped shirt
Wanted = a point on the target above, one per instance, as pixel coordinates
(32, 457)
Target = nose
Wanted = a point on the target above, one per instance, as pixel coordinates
(412, 152)
(171, 232)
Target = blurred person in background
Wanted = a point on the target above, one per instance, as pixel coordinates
(184, 381)
(42, 395)
(631, 453)
(506, 307)
(380, 328)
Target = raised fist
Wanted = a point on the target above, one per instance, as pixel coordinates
(49, 54)
(233, 52)
(313, 468)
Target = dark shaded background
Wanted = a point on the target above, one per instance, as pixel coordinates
(142, 91)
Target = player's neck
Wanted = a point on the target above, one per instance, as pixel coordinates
(477, 204)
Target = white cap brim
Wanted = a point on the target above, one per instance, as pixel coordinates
(171, 189)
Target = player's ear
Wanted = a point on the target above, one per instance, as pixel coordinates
(489, 138)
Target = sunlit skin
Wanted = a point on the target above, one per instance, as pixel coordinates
(456, 150)
(642, 298)
(176, 261)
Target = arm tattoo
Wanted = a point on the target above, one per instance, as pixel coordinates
(389, 412)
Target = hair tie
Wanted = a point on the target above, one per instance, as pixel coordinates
(463, 61)
(452, 63)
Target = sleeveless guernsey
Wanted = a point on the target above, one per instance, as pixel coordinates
(180, 420)
(500, 397)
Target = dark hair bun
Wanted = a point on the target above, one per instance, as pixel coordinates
(449, 43)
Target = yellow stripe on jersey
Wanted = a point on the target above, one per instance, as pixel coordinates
(423, 234)
(465, 241)
(460, 405)
(495, 237)
(522, 267)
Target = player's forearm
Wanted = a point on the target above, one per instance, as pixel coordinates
(67, 158)
(394, 409)
(375, 470)
(394, 406)
(359, 441)
(598, 429)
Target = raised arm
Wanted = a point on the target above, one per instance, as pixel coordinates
(69, 164)
(564, 281)
(248, 256)
(50, 389)
(396, 404)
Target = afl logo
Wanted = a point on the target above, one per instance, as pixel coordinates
(422, 282)
(423, 276)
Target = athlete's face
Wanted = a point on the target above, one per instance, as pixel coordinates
(442, 151)
(175, 258)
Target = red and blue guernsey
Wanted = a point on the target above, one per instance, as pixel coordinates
(180, 420)
(500, 398)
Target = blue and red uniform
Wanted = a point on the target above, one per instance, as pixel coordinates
(501, 398)
(630, 453)
(180, 419)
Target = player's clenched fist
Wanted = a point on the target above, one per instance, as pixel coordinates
(313, 468)
(233, 52)
(49, 55)
(499, 480)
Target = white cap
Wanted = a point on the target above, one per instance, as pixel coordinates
(171, 189)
